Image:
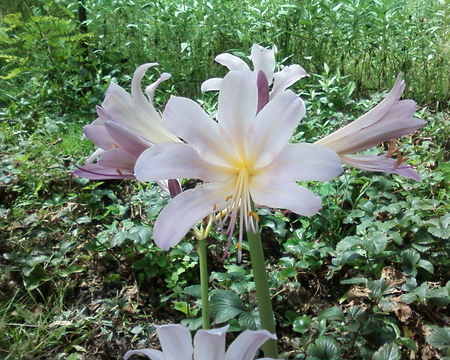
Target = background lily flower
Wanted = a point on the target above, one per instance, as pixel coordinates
(390, 119)
(176, 344)
(126, 126)
(263, 60)
(242, 158)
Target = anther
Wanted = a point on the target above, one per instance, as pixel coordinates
(253, 215)
(228, 197)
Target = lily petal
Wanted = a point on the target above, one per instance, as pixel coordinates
(150, 90)
(238, 100)
(263, 60)
(150, 353)
(186, 210)
(285, 78)
(380, 164)
(273, 127)
(271, 191)
(296, 163)
(99, 136)
(231, 62)
(246, 344)
(211, 84)
(210, 344)
(175, 161)
(127, 139)
(176, 342)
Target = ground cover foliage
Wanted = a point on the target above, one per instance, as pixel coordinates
(366, 278)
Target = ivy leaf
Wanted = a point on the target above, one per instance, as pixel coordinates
(387, 352)
(225, 305)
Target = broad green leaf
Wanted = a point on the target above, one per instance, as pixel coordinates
(387, 352)
(301, 324)
(250, 320)
(325, 348)
(439, 337)
(225, 305)
(334, 313)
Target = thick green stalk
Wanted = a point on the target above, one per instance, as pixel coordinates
(262, 292)
(204, 282)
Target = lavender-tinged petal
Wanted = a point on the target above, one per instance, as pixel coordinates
(231, 62)
(99, 136)
(380, 163)
(212, 84)
(296, 162)
(127, 139)
(210, 344)
(273, 127)
(272, 191)
(246, 344)
(186, 210)
(150, 353)
(263, 91)
(150, 90)
(94, 155)
(285, 78)
(175, 161)
(176, 342)
(238, 99)
(187, 119)
(263, 60)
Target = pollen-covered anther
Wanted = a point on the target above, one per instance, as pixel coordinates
(228, 197)
(214, 207)
(239, 246)
(253, 215)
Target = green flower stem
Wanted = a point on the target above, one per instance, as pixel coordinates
(262, 292)
(204, 281)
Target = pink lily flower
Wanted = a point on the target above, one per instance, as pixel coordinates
(176, 343)
(242, 159)
(388, 120)
(126, 126)
(263, 60)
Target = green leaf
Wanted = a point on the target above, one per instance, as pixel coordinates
(325, 348)
(250, 320)
(225, 305)
(377, 243)
(71, 270)
(387, 352)
(439, 337)
(301, 324)
(334, 313)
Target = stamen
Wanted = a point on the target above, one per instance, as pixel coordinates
(228, 197)
(253, 215)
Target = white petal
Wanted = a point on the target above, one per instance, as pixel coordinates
(263, 60)
(304, 162)
(285, 78)
(274, 192)
(238, 101)
(150, 353)
(246, 344)
(211, 84)
(186, 119)
(210, 344)
(127, 139)
(150, 90)
(231, 62)
(380, 164)
(389, 119)
(175, 161)
(273, 128)
(186, 210)
(99, 136)
(176, 342)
